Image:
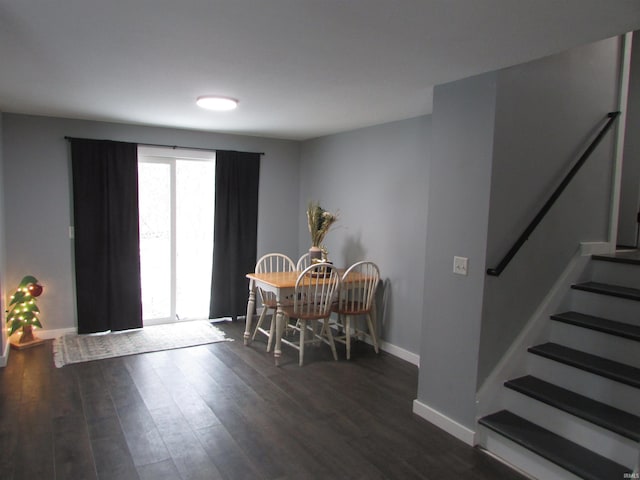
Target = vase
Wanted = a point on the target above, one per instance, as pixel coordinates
(315, 255)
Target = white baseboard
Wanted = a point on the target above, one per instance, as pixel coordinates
(392, 349)
(401, 353)
(445, 423)
(54, 333)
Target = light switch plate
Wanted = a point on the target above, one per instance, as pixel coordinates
(460, 265)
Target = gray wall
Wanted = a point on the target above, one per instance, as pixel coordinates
(547, 112)
(501, 142)
(630, 191)
(458, 209)
(38, 202)
(377, 179)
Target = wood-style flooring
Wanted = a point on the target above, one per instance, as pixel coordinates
(223, 411)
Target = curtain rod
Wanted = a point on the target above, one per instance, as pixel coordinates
(167, 146)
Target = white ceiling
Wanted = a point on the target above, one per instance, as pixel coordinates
(300, 68)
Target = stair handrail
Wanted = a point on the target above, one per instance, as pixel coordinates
(612, 116)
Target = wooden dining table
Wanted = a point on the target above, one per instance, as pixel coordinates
(282, 285)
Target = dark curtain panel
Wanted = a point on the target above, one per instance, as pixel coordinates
(107, 243)
(235, 231)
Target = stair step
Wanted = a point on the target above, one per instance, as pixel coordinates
(598, 413)
(591, 363)
(564, 453)
(599, 324)
(607, 289)
(631, 257)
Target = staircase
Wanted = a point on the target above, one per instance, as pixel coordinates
(576, 413)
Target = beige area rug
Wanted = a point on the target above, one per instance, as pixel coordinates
(75, 348)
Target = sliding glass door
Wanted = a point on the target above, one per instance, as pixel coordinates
(176, 197)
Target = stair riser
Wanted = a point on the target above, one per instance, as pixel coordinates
(522, 458)
(604, 442)
(602, 389)
(597, 343)
(623, 274)
(613, 308)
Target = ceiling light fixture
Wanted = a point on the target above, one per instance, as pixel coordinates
(216, 103)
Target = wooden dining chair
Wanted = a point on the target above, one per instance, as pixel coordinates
(271, 262)
(356, 298)
(303, 262)
(315, 291)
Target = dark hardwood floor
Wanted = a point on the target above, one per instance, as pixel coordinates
(223, 411)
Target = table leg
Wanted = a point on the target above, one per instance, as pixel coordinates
(251, 306)
(280, 319)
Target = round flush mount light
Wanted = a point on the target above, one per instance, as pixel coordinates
(219, 104)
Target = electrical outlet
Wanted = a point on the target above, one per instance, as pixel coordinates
(460, 265)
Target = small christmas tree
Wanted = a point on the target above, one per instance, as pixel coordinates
(23, 311)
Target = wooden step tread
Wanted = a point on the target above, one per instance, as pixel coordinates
(631, 257)
(599, 324)
(598, 413)
(604, 367)
(608, 289)
(564, 453)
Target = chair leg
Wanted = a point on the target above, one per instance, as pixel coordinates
(326, 324)
(331, 342)
(315, 334)
(272, 330)
(347, 333)
(339, 325)
(372, 332)
(303, 328)
(260, 320)
(288, 328)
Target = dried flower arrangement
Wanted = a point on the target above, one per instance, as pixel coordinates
(320, 222)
